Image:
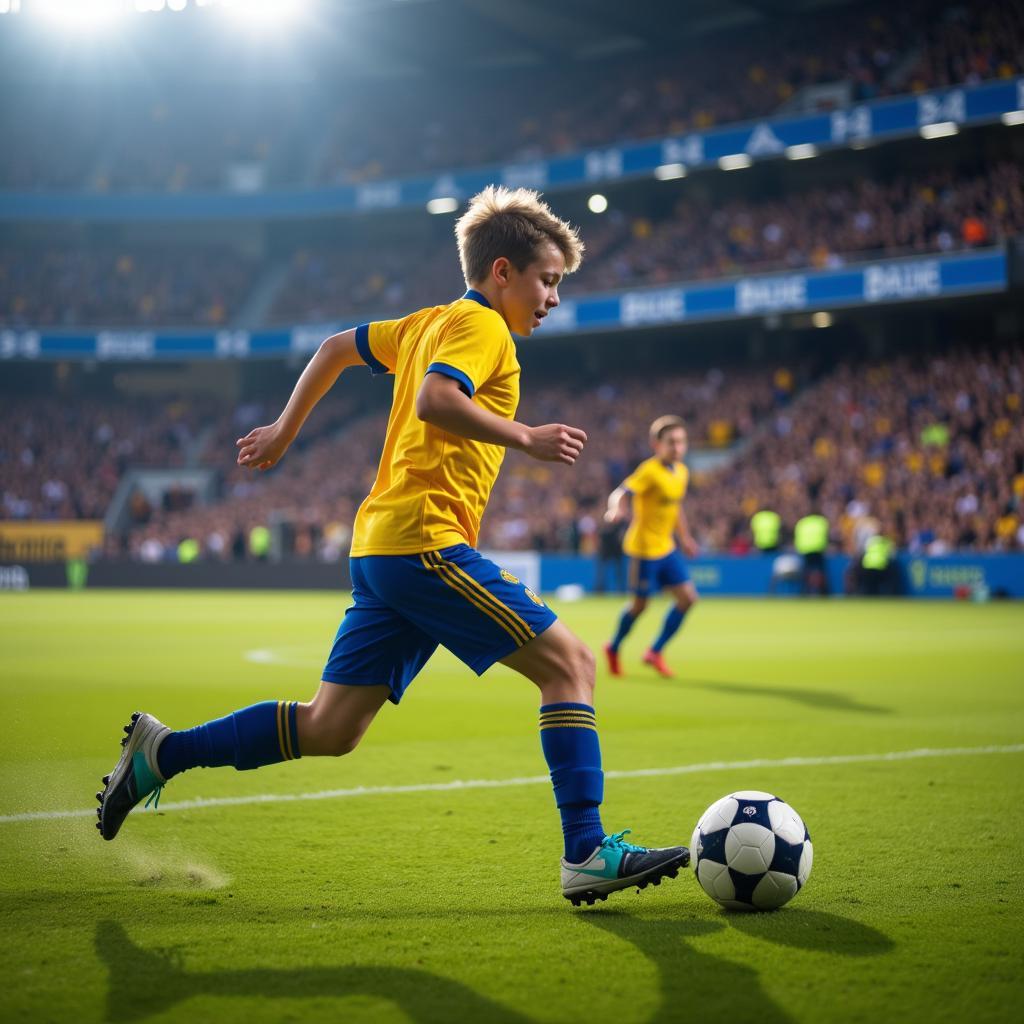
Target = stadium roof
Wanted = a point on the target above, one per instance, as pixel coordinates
(382, 38)
(481, 34)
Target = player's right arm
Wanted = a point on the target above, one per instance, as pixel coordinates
(442, 402)
(262, 447)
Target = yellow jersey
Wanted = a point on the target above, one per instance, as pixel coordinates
(432, 486)
(657, 491)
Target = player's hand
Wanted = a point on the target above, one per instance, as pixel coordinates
(691, 547)
(614, 515)
(555, 442)
(262, 447)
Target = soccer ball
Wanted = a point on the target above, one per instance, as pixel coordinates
(751, 851)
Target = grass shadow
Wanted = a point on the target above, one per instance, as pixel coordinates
(148, 982)
(827, 700)
(694, 985)
(814, 930)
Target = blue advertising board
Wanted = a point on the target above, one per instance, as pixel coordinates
(768, 138)
(998, 575)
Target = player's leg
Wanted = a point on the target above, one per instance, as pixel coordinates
(376, 654)
(639, 583)
(594, 864)
(675, 578)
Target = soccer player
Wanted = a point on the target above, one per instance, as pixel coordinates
(657, 487)
(417, 580)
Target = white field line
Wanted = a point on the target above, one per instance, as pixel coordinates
(536, 780)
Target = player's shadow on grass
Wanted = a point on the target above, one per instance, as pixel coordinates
(147, 982)
(695, 986)
(825, 699)
(698, 986)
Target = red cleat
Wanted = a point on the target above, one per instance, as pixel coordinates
(614, 668)
(657, 662)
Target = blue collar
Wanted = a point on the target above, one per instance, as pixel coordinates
(477, 297)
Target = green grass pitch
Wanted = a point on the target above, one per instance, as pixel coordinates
(442, 905)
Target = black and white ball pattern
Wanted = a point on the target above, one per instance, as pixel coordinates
(751, 851)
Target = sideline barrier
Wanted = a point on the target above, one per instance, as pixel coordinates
(749, 576)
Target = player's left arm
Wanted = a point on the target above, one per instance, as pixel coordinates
(263, 447)
(686, 541)
(618, 505)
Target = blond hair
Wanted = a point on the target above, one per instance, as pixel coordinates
(512, 223)
(663, 424)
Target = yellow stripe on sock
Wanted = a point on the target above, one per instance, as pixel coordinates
(286, 725)
(569, 725)
(545, 720)
(280, 730)
(492, 608)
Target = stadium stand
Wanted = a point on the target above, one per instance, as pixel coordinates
(259, 136)
(702, 237)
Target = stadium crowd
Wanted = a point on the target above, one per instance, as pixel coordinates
(63, 459)
(702, 238)
(202, 286)
(193, 139)
(929, 452)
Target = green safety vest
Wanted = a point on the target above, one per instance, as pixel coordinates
(259, 540)
(810, 535)
(765, 526)
(188, 550)
(877, 553)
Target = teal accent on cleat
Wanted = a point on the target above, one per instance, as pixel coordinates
(136, 774)
(616, 864)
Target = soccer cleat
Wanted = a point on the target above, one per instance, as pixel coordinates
(614, 668)
(618, 865)
(136, 774)
(657, 662)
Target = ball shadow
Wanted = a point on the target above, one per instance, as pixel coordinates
(814, 930)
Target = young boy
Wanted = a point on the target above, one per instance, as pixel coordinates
(417, 580)
(657, 487)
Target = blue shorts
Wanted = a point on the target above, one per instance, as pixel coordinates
(648, 575)
(405, 605)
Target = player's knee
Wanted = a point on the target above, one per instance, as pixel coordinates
(584, 670)
(639, 604)
(342, 743)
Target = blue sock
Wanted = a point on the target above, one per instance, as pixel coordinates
(673, 621)
(625, 625)
(260, 734)
(568, 736)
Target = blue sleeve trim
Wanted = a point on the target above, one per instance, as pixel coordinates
(363, 348)
(451, 371)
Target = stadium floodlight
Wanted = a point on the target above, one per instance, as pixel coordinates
(1012, 117)
(939, 130)
(822, 319)
(804, 151)
(79, 14)
(597, 203)
(668, 172)
(443, 204)
(734, 162)
(260, 12)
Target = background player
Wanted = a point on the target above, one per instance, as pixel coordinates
(417, 580)
(657, 488)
